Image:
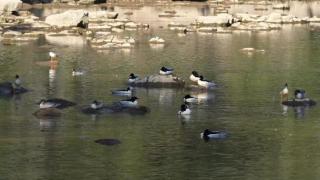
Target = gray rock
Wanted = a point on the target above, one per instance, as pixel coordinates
(159, 81)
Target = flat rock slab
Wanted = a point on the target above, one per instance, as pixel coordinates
(108, 142)
(159, 81)
(296, 103)
(47, 113)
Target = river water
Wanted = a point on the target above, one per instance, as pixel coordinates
(266, 140)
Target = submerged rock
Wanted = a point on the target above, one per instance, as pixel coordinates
(299, 102)
(7, 89)
(108, 142)
(159, 81)
(116, 108)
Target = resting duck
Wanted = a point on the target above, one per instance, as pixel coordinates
(299, 93)
(55, 103)
(133, 78)
(77, 72)
(205, 83)
(184, 110)
(130, 102)
(207, 134)
(166, 71)
(194, 76)
(284, 93)
(17, 82)
(96, 105)
(190, 99)
(124, 92)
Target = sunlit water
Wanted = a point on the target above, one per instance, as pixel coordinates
(264, 141)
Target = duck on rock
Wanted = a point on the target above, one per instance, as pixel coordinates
(166, 70)
(55, 103)
(96, 105)
(133, 78)
(194, 76)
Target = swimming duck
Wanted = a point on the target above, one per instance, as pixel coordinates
(52, 55)
(124, 92)
(166, 71)
(96, 105)
(299, 93)
(207, 134)
(184, 110)
(130, 102)
(17, 82)
(205, 83)
(194, 76)
(190, 99)
(284, 93)
(133, 78)
(77, 72)
(55, 103)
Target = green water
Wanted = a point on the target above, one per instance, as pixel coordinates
(263, 143)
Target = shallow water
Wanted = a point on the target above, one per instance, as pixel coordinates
(264, 141)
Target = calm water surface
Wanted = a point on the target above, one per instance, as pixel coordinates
(264, 143)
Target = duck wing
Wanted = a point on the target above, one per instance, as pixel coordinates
(61, 103)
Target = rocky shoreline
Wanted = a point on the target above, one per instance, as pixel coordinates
(105, 28)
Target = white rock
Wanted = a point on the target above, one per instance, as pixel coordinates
(74, 41)
(156, 40)
(112, 15)
(211, 20)
(100, 27)
(207, 29)
(117, 30)
(65, 19)
(131, 25)
(281, 6)
(9, 5)
(314, 19)
(11, 34)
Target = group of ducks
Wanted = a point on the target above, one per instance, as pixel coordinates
(133, 100)
(299, 94)
(184, 108)
(194, 77)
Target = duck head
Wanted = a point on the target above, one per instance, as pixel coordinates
(133, 98)
(17, 76)
(206, 133)
(183, 107)
(195, 73)
(187, 96)
(163, 68)
(132, 76)
(201, 78)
